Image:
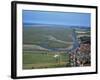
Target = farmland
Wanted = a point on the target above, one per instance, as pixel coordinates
(44, 59)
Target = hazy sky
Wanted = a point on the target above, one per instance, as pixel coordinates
(57, 18)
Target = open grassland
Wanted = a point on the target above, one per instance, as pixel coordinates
(44, 59)
(53, 37)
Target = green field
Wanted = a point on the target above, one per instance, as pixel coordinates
(44, 59)
(53, 37)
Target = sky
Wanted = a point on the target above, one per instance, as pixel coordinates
(56, 18)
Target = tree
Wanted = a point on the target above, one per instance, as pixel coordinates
(85, 39)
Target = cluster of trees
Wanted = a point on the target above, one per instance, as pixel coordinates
(85, 40)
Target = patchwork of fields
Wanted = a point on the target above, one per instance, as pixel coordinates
(44, 59)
